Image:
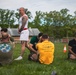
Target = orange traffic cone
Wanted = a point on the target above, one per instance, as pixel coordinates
(64, 48)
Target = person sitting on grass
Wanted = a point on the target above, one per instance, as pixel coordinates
(6, 48)
(45, 50)
(5, 37)
(72, 48)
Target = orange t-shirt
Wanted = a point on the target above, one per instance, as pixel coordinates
(46, 52)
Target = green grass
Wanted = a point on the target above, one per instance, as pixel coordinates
(24, 67)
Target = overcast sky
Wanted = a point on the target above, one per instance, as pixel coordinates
(42, 5)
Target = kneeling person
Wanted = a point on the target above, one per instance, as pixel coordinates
(32, 47)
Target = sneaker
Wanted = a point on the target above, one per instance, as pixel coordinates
(19, 58)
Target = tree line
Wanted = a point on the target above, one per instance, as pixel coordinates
(9, 17)
(57, 24)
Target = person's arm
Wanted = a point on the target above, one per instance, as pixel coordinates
(0, 37)
(24, 20)
(18, 29)
(40, 39)
(31, 48)
(37, 49)
(12, 40)
(70, 50)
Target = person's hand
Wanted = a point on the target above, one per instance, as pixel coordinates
(18, 31)
(40, 39)
(75, 55)
(37, 52)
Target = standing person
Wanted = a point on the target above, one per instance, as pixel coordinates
(72, 48)
(45, 50)
(32, 46)
(23, 30)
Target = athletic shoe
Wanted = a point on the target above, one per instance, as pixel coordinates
(19, 58)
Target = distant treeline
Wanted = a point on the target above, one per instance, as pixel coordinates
(57, 24)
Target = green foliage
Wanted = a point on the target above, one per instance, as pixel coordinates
(24, 67)
(6, 16)
(9, 17)
(57, 24)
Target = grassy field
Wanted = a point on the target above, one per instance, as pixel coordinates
(24, 67)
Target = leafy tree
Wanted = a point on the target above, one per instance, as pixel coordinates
(6, 17)
(55, 23)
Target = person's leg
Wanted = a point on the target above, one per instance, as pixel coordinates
(24, 35)
(23, 43)
(72, 56)
(34, 57)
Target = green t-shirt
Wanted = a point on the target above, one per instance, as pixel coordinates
(34, 40)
